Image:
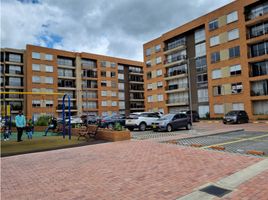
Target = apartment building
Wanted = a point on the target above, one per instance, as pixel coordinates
(213, 64)
(12, 79)
(97, 84)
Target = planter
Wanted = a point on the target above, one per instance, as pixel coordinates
(112, 135)
(36, 128)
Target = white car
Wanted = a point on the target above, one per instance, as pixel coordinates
(141, 120)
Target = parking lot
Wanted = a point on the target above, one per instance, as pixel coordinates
(233, 138)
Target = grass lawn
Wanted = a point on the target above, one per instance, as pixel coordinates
(12, 147)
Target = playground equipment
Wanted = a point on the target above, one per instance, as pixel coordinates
(8, 108)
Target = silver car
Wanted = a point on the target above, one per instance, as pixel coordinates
(171, 122)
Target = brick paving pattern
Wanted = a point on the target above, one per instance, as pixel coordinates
(255, 188)
(122, 170)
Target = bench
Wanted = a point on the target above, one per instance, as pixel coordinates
(87, 132)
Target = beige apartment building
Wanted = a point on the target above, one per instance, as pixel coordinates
(213, 64)
(96, 84)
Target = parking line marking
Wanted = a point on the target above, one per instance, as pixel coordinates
(231, 142)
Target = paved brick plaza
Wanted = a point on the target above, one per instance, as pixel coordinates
(121, 170)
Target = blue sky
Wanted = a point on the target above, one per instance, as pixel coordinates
(116, 28)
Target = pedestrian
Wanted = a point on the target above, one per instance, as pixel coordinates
(20, 124)
(29, 131)
(6, 133)
(52, 125)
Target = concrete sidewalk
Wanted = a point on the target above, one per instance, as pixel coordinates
(122, 170)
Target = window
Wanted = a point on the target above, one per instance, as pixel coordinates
(159, 72)
(70, 62)
(235, 70)
(201, 64)
(121, 86)
(202, 78)
(36, 55)
(199, 35)
(213, 25)
(150, 86)
(114, 103)
(103, 103)
(121, 105)
(113, 74)
(36, 67)
(159, 84)
(103, 63)
(49, 103)
(202, 95)
(234, 52)
(148, 52)
(259, 68)
(113, 65)
(232, 17)
(217, 90)
(157, 48)
(218, 109)
(236, 88)
(233, 34)
(216, 74)
(103, 93)
(121, 95)
(150, 98)
(260, 107)
(15, 81)
(36, 103)
(259, 49)
(149, 75)
(36, 90)
(48, 57)
(259, 88)
(103, 73)
(50, 90)
(148, 63)
(258, 30)
(238, 106)
(113, 84)
(114, 94)
(49, 80)
(215, 57)
(200, 50)
(158, 60)
(14, 57)
(49, 68)
(36, 79)
(121, 76)
(121, 67)
(160, 97)
(103, 83)
(215, 40)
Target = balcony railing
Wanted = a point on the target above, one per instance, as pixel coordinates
(177, 86)
(136, 71)
(174, 59)
(175, 73)
(260, 92)
(257, 13)
(177, 100)
(173, 45)
(59, 107)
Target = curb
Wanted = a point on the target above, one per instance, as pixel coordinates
(220, 148)
(254, 152)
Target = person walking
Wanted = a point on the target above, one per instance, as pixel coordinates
(20, 124)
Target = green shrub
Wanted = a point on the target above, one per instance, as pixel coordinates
(43, 120)
(118, 127)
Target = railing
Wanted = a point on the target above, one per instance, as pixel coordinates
(174, 59)
(177, 100)
(258, 52)
(135, 71)
(66, 86)
(177, 86)
(261, 92)
(256, 14)
(175, 73)
(59, 107)
(173, 45)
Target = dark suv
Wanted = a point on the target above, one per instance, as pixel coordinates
(194, 114)
(236, 116)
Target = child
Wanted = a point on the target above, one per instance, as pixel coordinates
(29, 131)
(6, 133)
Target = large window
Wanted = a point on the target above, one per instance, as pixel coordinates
(260, 107)
(258, 30)
(15, 58)
(175, 42)
(236, 88)
(233, 34)
(238, 106)
(259, 88)
(36, 55)
(199, 35)
(200, 50)
(213, 25)
(259, 49)
(85, 63)
(259, 68)
(258, 11)
(36, 79)
(218, 109)
(14, 69)
(234, 52)
(216, 73)
(232, 17)
(202, 95)
(201, 64)
(215, 57)
(215, 40)
(15, 81)
(176, 70)
(68, 61)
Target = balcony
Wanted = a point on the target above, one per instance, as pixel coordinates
(59, 107)
(175, 45)
(256, 11)
(136, 72)
(177, 102)
(176, 88)
(175, 60)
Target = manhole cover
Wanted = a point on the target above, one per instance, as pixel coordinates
(216, 191)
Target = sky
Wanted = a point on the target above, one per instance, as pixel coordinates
(111, 27)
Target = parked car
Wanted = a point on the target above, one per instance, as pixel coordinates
(91, 119)
(74, 120)
(236, 116)
(110, 121)
(171, 122)
(141, 120)
(194, 114)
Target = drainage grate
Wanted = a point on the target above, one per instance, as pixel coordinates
(216, 191)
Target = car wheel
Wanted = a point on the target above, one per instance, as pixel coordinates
(110, 126)
(169, 128)
(142, 126)
(188, 126)
(224, 122)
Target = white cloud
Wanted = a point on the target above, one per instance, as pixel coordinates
(117, 28)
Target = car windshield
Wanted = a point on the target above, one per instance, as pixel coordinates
(166, 117)
(232, 113)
